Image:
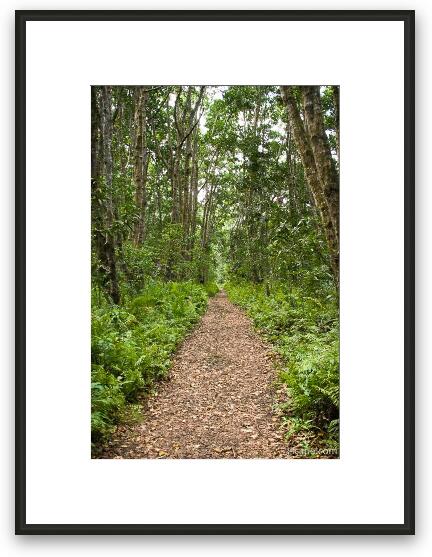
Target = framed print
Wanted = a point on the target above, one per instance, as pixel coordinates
(214, 272)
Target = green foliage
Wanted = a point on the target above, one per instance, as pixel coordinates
(230, 201)
(163, 257)
(211, 288)
(132, 346)
(305, 332)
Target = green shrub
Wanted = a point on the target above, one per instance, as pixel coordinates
(131, 346)
(211, 288)
(305, 333)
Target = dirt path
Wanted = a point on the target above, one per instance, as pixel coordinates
(218, 401)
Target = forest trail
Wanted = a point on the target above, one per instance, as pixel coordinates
(218, 401)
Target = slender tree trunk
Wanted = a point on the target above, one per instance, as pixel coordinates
(95, 127)
(335, 90)
(107, 240)
(187, 172)
(141, 160)
(193, 194)
(175, 176)
(291, 176)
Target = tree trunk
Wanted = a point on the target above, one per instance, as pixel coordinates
(193, 194)
(141, 160)
(335, 90)
(318, 169)
(325, 163)
(106, 240)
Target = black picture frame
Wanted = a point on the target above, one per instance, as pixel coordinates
(21, 527)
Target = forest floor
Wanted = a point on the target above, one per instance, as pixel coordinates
(219, 399)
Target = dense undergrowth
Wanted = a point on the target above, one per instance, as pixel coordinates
(132, 346)
(305, 333)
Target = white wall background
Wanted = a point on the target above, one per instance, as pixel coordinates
(326, 545)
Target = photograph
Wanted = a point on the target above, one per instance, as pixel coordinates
(214, 271)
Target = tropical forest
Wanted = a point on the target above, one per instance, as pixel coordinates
(215, 271)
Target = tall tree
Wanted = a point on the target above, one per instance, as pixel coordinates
(335, 91)
(102, 189)
(319, 165)
(141, 161)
